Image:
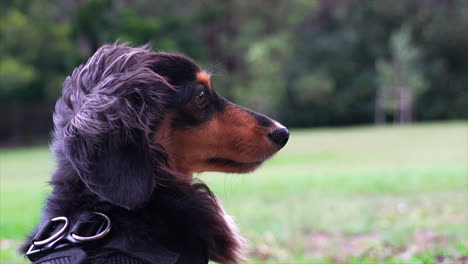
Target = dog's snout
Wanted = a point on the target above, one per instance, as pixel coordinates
(279, 136)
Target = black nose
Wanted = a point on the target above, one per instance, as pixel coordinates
(280, 136)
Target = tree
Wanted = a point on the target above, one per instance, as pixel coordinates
(400, 79)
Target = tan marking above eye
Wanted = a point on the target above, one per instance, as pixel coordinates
(204, 78)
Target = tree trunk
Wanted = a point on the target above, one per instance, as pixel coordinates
(379, 113)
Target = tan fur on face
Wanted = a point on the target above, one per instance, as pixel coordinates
(204, 78)
(231, 134)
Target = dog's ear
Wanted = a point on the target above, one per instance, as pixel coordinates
(112, 160)
(108, 139)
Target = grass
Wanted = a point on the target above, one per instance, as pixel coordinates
(388, 194)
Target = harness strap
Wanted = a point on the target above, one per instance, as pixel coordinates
(115, 244)
(154, 254)
(77, 255)
(68, 256)
(89, 240)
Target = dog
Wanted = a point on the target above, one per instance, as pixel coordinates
(131, 128)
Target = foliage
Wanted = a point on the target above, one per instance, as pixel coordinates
(343, 40)
(307, 63)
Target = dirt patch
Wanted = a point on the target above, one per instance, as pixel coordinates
(343, 247)
(8, 244)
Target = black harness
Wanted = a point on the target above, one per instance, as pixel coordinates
(90, 241)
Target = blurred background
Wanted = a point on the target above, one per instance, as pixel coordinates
(375, 92)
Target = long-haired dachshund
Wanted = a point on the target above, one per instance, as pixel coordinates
(131, 128)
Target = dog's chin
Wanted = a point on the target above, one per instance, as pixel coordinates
(233, 166)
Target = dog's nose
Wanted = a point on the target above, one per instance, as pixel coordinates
(279, 136)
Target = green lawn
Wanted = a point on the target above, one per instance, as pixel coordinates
(356, 195)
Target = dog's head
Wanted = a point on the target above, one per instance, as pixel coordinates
(128, 113)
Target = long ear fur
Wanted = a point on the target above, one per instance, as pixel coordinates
(114, 164)
(116, 102)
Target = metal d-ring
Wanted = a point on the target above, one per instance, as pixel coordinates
(55, 236)
(101, 234)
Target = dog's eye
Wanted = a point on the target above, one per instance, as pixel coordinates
(201, 99)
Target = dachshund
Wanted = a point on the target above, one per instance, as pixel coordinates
(131, 128)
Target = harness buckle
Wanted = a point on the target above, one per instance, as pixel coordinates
(56, 233)
(46, 238)
(96, 226)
